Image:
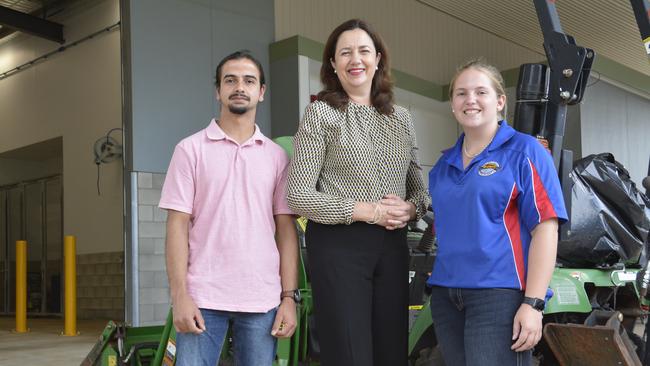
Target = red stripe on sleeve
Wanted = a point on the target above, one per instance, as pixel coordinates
(545, 208)
(511, 222)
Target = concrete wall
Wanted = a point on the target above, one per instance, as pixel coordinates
(175, 48)
(100, 286)
(617, 121)
(75, 95)
(152, 284)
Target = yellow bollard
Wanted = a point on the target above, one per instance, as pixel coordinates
(70, 268)
(21, 286)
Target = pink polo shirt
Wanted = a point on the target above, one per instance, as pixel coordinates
(232, 192)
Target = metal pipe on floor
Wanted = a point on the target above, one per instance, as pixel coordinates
(21, 286)
(70, 268)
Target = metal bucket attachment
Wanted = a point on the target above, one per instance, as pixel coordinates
(601, 340)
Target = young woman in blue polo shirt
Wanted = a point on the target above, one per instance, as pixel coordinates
(497, 201)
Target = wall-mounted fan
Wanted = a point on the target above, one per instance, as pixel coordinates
(106, 149)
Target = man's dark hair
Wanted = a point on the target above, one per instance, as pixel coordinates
(238, 55)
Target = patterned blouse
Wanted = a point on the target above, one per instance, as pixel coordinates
(354, 154)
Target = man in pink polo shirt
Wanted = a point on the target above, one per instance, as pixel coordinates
(232, 249)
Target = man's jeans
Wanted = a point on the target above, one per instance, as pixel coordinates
(252, 340)
(474, 326)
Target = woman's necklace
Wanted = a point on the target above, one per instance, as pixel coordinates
(472, 156)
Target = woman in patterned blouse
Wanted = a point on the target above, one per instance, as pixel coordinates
(356, 177)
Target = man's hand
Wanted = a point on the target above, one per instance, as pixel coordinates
(187, 316)
(285, 319)
(527, 328)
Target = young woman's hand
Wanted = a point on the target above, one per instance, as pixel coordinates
(526, 328)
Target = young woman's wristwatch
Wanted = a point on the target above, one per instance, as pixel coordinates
(293, 294)
(535, 303)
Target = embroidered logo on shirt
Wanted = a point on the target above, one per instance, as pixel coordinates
(488, 168)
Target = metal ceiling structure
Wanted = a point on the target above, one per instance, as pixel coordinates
(24, 6)
(608, 27)
(30, 16)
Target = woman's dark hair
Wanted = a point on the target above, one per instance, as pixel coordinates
(381, 91)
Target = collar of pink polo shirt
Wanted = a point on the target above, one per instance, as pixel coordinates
(214, 132)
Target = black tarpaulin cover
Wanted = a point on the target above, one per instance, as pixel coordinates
(610, 217)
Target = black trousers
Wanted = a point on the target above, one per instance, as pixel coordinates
(360, 290)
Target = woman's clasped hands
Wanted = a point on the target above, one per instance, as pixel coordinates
(394, 212)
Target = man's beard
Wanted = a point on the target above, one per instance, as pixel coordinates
(237, 110)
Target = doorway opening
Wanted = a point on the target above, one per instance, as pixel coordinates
(31, 208)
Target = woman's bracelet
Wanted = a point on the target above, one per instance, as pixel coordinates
(377, 215)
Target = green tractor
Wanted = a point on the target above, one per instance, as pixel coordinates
(589, 320)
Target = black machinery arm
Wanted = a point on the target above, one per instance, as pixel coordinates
(641, 10)
(545, 91)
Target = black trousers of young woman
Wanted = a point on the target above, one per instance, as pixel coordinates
(360, 291)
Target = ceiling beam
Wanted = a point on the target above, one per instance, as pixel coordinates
(31, 24)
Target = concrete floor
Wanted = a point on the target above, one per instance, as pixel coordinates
(43, 344)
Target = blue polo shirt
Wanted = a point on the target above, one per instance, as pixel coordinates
(484, 215)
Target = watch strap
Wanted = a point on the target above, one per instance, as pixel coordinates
(293, 294)
(535, 303)
(287, 293)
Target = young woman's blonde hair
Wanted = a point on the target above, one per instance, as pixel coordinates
(490, 71)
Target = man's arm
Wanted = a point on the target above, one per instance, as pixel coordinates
(187, 317)
(287, 241)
